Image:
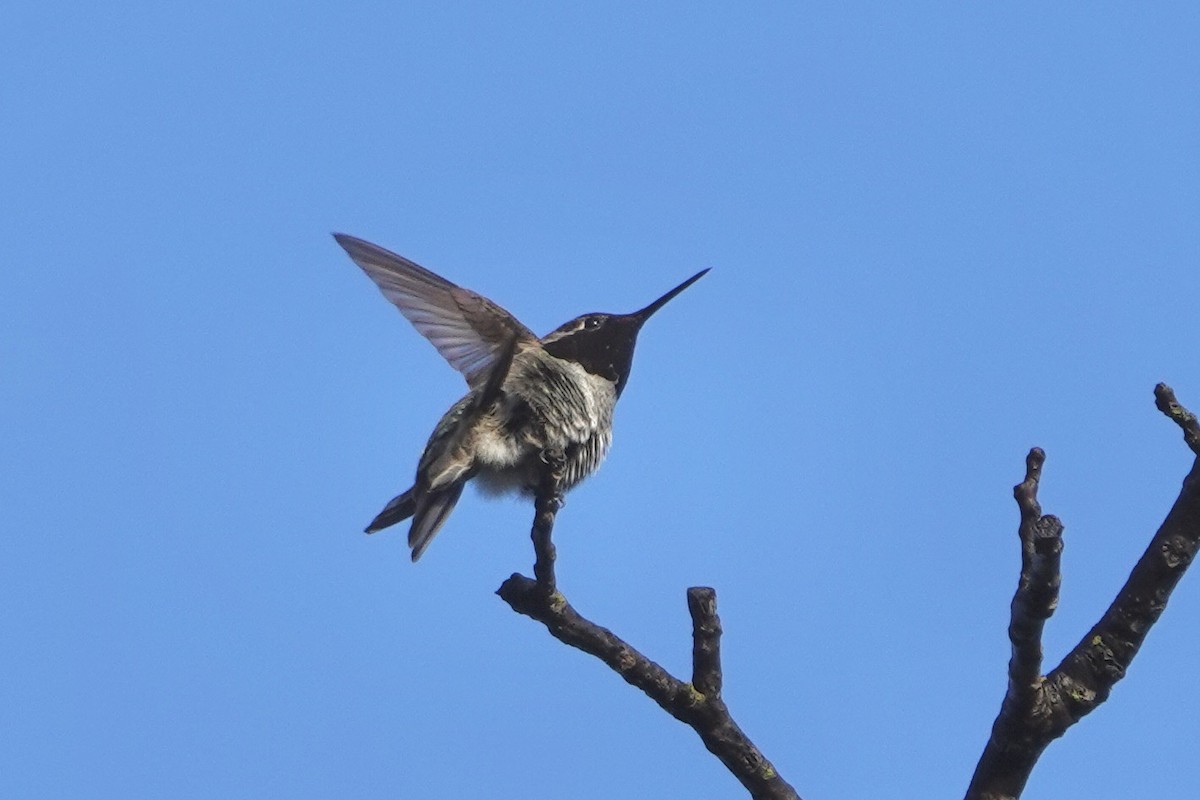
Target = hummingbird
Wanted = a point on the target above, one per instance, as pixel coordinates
(527, 395)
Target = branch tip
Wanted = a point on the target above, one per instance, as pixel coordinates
(1027, 490)
(1164, 400)
(706, 640)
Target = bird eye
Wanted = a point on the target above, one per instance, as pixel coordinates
(591, 323)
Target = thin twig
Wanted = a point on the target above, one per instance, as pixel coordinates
(1037, 593)
(548, 501)
(706, 640)
(1034, 601)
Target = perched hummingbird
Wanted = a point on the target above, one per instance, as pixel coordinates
(527, 395)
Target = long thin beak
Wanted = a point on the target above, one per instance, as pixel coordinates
(645, 313)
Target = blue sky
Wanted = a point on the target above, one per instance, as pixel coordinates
(939, 235)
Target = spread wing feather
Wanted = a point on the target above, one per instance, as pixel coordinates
(470, 331)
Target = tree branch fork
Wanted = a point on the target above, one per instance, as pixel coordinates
(696, 703)
(1037, 708)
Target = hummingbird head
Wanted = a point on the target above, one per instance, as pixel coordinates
(603, 343)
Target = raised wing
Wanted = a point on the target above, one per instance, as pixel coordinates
(469, 330)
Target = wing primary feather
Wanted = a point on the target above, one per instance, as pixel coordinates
(469, 330)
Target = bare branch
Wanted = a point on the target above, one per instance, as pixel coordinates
(1008, 750)
(1037, 710)
(1037, 593)
(706, 640)
(696, 704)
(546, 505)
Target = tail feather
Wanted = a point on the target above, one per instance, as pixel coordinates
(430, 514)
(442, 463)
(399, 509)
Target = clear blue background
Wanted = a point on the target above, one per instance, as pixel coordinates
(939, 236)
